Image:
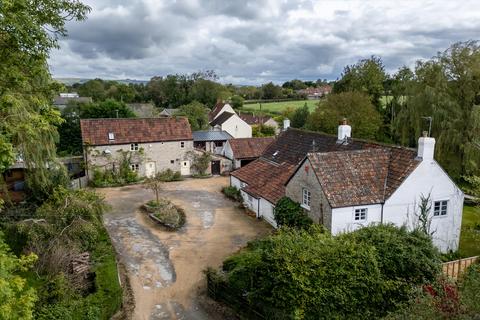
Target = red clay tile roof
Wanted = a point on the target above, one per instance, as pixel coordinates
(96, 131)
(245, 148)
(265, 179)
(352, 177)
(254, 120)
(292, 146)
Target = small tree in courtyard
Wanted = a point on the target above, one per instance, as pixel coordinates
(155, 184)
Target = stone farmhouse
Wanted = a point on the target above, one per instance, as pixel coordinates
(150, 144)
(224, 118)
(346, 183)
(245, 150)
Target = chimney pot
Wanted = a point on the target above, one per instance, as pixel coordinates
(344, 131)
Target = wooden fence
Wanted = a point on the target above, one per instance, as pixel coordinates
(454, 268)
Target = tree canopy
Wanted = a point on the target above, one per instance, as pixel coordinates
(196, 113)
(355, 106)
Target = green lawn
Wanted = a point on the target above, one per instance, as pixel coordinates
(278, 107)
(470, 236)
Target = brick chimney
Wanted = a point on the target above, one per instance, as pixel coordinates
(344, 131)
(426, 147)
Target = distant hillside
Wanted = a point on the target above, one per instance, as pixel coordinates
(71, 81)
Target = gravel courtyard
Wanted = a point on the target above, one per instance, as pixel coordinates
(165, 268)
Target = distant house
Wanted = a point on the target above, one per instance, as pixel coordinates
(211, 141)
(62, 101)
(345, 183)
(256, 120)
(232, 124)
(151, 144)
(316, 93)
(168, 112)
(243, 151)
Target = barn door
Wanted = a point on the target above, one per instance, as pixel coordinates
(216, 167)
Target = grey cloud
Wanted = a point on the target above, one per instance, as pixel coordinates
(256, 41)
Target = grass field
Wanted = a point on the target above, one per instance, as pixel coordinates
(278, 107)
(470, 236)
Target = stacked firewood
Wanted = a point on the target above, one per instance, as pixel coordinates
(80, 270)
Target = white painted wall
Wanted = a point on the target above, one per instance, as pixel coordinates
(266, 212)
(250, 202)
(228, 153)
(237, 128)
(226, 108)
(343, 219)
(428, 178)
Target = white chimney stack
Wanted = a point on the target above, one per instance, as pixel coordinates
(286, 124)
(426, 147)
(344, 131)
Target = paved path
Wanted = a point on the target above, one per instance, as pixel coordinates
(165, 268)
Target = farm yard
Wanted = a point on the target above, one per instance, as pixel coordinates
(278, 107)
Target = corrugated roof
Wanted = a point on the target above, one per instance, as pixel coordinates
(211, 136)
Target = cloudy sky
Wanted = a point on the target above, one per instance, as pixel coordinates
(252, 42)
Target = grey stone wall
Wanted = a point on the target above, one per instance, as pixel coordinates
(166, 155)
(307, 179)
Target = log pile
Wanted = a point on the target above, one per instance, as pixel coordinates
(80, 271)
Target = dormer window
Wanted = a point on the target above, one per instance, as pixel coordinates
(111, 136)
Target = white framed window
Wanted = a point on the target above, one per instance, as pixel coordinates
(440, 208)
(111, 136)
(133, 146)
(182, 144)
(361, 214)
(134, 167)
(306, 197)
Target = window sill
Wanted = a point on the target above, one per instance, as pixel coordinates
(305, 207)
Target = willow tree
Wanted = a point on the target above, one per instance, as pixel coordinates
(29, 30)
(446, 88)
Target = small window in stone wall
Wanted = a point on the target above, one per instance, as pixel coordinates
(306, 197)
(134, 167)
(172, 161)
(182, 144)
(134, 147)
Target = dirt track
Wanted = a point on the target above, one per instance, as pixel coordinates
(165, 268)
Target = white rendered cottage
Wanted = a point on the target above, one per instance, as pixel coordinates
(345, 183)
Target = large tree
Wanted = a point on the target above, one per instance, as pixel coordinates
(28, 31)
(447, 89)
(196, 113)
(355, 106)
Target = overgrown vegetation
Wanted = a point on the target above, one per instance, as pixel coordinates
(289, 213)
(263, 130)
(232, 193)
(444, 299)
(116, 171)
(166, 213)
(308, 274)
(65, 227)
(200, 162)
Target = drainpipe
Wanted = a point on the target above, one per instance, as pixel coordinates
(258, 208)
(381, 214)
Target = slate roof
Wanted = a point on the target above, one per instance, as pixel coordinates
(211, 136)
(221, 118)
(136, 130)
(168, 112)
(247, 148)
(292, 146)
(61, 101)
(216, 110)
(253, 119)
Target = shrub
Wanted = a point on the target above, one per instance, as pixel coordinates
(232, 193)
(308, 274)
(289, 213)
(166, 213)
(169, 175)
